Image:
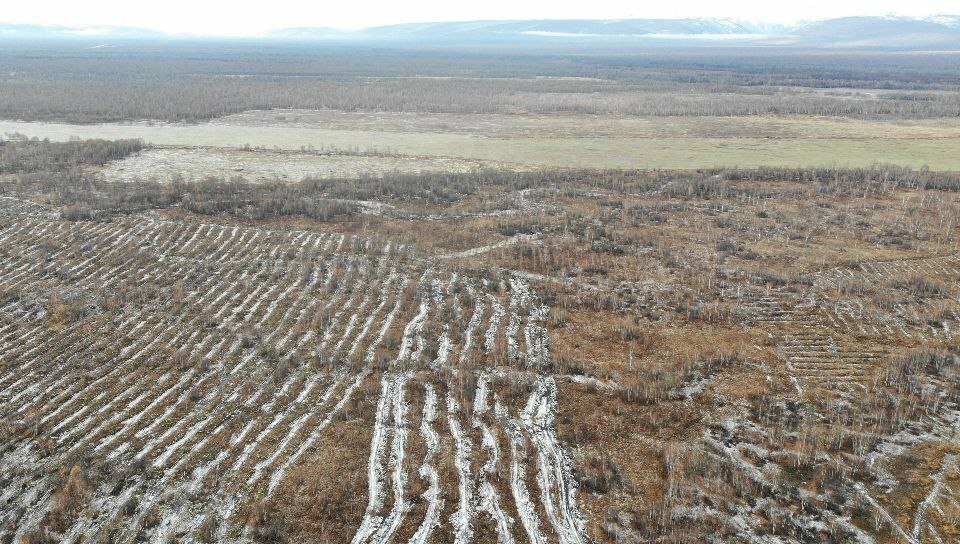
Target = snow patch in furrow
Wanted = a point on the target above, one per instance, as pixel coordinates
(480, 405)
(398, 474)
(376, 472)
(251, 446)
(489, 499)
(330, 271)
(372, 349)
(227, 418)
(374, 527)
(351, 324)
(472, 326)
(132, 421)
(535, 335)
(335, 319)
(68, 397)
(278, 475)
(513, 327)
(461, 519)
(291, 433)
(490, 338)
(365, 329)
(930, 501)
(200, 473)
(518, 487)
(165, 455)
(412, 334)
(432, 495)
(37, 503)
(444, 347)
(883, 513)
(555, 478)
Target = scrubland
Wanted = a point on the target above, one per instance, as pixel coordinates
(485, 356)
(562, 299)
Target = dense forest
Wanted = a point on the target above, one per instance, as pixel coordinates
(180, 83)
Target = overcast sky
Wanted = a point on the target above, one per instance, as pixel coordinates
(222, 17)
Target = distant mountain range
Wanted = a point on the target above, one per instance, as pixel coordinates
(935, 32)
(45, 32)
(537, 29)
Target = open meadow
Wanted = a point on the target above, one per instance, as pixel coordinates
(567, 141)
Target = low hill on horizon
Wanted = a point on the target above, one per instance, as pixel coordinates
(901, 33)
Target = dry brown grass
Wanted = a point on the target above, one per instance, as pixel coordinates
(325, 496)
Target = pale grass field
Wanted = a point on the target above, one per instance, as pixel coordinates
(196, 164)
(568, 141)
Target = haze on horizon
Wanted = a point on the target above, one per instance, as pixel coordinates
(221, 18)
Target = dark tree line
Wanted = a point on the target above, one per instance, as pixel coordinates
(884, 176)
(209, 81)
(56, 173)
(258, 201)
(26, 156)
(53, 172)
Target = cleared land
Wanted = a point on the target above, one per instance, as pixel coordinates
(496, 357)
(447, 332)
(195, 164)
(287, 342)
(567, 141)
